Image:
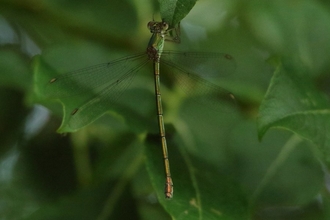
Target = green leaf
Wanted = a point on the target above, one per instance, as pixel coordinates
(173, 11)
(201, 190)
(74, 93)
(263, 168)
(297, 30)
(202, 187)
(293, 103)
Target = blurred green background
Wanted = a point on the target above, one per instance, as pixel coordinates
(112, 169)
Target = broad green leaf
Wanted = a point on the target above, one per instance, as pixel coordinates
(293, 103)
(74, 94)
(297, 30)
(263, 168)
(173, 11)
(201, 190)
(202, 187)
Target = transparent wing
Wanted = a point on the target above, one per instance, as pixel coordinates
(90, 92)
(190, 68)
(203, 64)
(94, 78)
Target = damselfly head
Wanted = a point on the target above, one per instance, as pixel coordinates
(157, 27)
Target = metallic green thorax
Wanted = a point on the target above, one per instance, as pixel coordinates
(156, 42)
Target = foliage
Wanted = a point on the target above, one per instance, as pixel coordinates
(267, 157)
